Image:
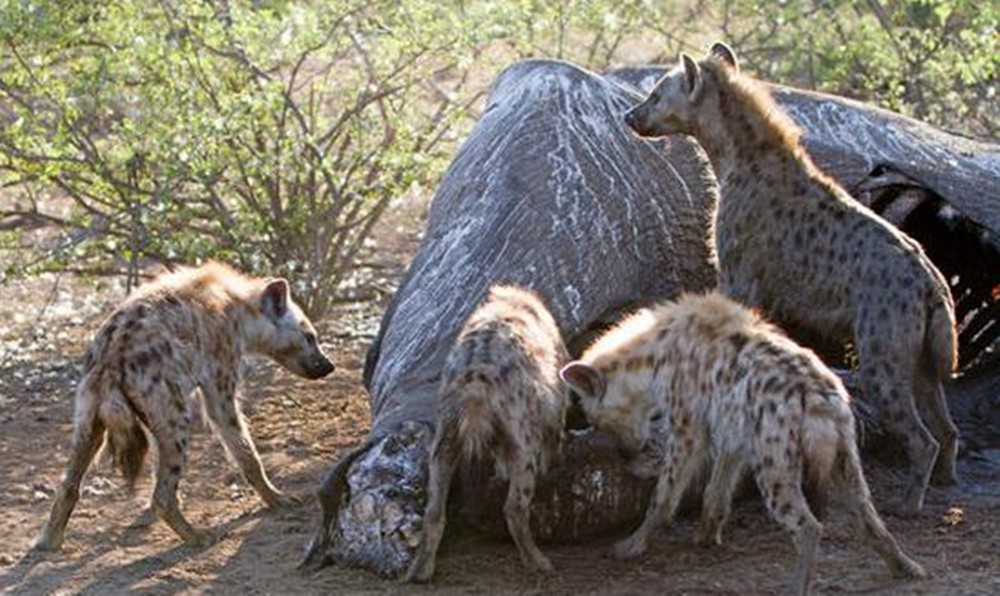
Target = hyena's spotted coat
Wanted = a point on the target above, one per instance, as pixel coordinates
(704, 379)
(182, 332)
(792, 242)
(500, 401)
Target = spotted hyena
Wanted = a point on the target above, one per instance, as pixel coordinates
(705, 379)
(501, 400)
(792, 242)
(184, 331)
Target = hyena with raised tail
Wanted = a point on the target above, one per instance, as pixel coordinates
(793, 243)
(501, 401)
(182, 333)
(704, 380)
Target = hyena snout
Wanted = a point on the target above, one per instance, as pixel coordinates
(636, 120)
(308, 362)
(646, 463)
(629, 450)
(316, 365)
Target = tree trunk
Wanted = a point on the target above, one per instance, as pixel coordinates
(553, 192)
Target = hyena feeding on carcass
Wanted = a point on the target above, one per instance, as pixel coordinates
(501, 402)
(792, 242)
(184, 331)
(705, 380)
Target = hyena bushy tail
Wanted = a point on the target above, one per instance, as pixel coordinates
(126, 440)
(822, 438)
(478, 431)
(940, 341)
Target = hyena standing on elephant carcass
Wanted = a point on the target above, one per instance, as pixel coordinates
(501, 402)
(182, 332)
(704, 379)
(792, 242)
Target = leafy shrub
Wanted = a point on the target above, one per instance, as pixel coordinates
(274, 134)
(272, 138)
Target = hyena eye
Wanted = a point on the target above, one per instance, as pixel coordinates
(311, 338)
(657, 417)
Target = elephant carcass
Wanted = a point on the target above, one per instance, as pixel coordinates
(550, 191)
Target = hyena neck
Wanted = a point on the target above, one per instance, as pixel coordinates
(251, 326)
(636, 368)
(741, 127)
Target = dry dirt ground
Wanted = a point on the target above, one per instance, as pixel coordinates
(302, 427)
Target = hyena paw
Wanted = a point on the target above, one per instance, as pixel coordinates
(420, 571)
(283, 501)
(628, 549)
(707, 538)
(944, 476)
(909, 568)
(540, 564)
(47, 543)
(147, 518)
(908, 506)
(202, 538)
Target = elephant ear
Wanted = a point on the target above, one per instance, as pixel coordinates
(724, 54)
(585, 380)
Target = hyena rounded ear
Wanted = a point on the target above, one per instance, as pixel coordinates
(585, 380)
(275, 298)
(692, 77)
(723, 52)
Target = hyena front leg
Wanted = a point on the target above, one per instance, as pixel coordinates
(223, 410)
(717, 501)
(170, 425)
(442, 468)
(87, 436)
(683, 457)
(517, 510)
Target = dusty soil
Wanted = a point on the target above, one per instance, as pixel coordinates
(302, 427)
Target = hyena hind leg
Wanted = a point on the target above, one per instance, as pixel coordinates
(517, 510)
(921, 448)
(171, 447)
(900, 419)
(859, 499)
(782, 491)
(87, 438)
(933, 404)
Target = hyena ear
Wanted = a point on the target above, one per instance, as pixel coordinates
(275, 298)
(585, 380)
(692, 78)
(726, 54)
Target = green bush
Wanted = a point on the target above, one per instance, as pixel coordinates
(273, 138)
(274, 134)
(935, 60)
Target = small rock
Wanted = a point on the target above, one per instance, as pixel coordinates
(953, 516)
